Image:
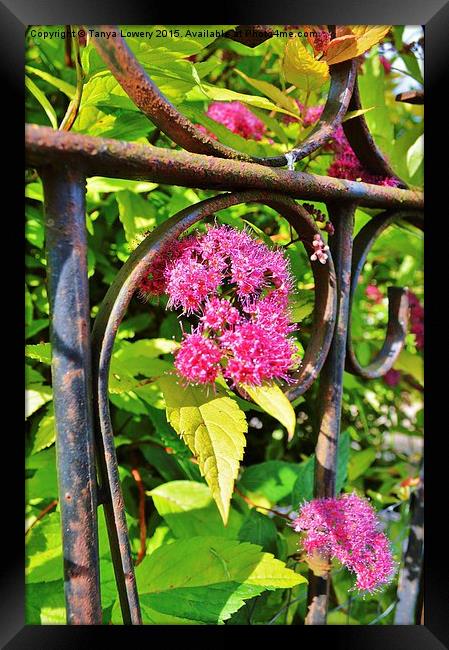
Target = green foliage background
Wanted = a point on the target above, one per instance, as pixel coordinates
(381, 442)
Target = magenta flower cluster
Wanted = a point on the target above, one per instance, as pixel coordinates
(236, 117)
(416, 319)
(235, 290)
(346, 528)
(345, 164)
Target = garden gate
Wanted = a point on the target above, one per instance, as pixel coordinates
(80, 363)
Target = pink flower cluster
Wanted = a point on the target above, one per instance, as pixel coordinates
(236, 290)
(392, 377)
(416, 319)
(345, 164)
(320, 252)
(346, 528)
(236, 117)
(373, 293)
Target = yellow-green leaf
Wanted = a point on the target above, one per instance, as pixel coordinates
(275, 94)
(301, 69)
(274, 402)
(363, 37)
(213, 427)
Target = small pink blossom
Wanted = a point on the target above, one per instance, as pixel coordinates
(321, 249)
(236, 117)
(392, 377)
(346, 528)
(373, 293)
(198, 359)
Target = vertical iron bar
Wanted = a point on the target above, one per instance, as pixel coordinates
(66, 248)
(330, 393)
(410, 583)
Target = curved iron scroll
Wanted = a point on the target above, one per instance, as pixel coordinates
(397, 298)
(362, 142)
(147, 96)
(113, 309)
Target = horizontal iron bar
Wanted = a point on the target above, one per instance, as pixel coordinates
(105, 157)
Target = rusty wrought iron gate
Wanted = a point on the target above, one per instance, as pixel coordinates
(87, 464)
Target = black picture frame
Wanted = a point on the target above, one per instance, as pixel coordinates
(434, 16)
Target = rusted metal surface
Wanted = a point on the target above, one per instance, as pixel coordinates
(398, 311)
(66, 246)
(411, 97)
(146, 95)
(362, 142)
(105, 157)
(330, 394)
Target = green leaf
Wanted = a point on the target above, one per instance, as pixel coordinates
(360, 461)
(136, 214)
(45, 434)
(44, 550)
(303, 488)
(60, 84)
(273, 479)
(42, 484)
(301, 304)
(41, 352)
(36, 397)
(274, 93)
(206, 579)
(189, 510)
(415, 155)
(45, 603)
(43, 101)
(259, 529)
(273, 401)
(225, 95)
(102, 184)
(412, 364)
(301, 69)
(213, 427)
(361, 111)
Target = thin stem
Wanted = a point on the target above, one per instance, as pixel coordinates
(73, 108)
(292, 602)
(255, 505)
(384, 614)
(42, 514)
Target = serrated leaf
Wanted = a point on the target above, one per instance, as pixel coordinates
(213, 427)
(363, 37)
(273, 401)
(301, 69)
(206, 579)
(44, 550)
(45, 433)
(41, 352)
(300, 305)
(189, 510)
